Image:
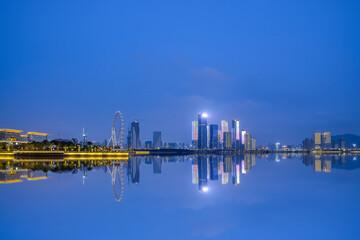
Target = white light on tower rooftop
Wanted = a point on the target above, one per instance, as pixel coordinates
(204, 115)
(205, 189)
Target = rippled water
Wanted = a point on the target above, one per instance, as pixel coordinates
(184, 197)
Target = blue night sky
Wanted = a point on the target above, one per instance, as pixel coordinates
(285, 68)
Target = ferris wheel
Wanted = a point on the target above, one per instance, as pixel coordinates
(117, 141)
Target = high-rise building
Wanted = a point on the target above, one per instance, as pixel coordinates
(157, 142)
(242, 145)
(235, 133)
(134, 135)
(227, 140)
(213, 136)
(208, 136)
(202, 130)
(316, 140)
(341, 143)
(307, 144)
(326, 140)
(253, 144)
(248, 142)
(148, 144)
(194, 133)
(224, 128)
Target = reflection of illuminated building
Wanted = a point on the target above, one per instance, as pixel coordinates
(227, 164)
(236, 170)
(327, 166)
(203, 173)
(224, 175)
(7, 176)
(317, 163)
(157, 165)
(133, 169)
(213, 168)
(195, 172)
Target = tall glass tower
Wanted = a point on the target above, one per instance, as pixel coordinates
(202, 130)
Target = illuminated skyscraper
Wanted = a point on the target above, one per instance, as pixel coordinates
(249, 142)
(227, 140)
(134, 135)
(242, 146)
(326, 140)
(157, 142)
(202, 130)
(213, 136)
(316, 139)
(235, 133)
(194, 133)
(341, 143)
(224, 128)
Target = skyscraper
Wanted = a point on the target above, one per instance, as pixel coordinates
(316, 139)
(213, 136)
(224, 128)
(248, 142)
(326, 140)
(235, 133)
(134, 135)
(227, 140)
(194, 133)
(157, 142)
(242, 141)
(202, 130)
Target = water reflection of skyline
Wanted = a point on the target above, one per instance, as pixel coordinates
(213, 168)
(225, 169)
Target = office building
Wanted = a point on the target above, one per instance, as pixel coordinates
(326, 140)
(194, 133)
(202, 130)
(213, 136)
(134, 135)
(316, 140)
(341, 143)
(37, 137)
(224, 128)
(157, 141)
(242, 140)
(10, 135)
(235, 133)
(227, 140)
(307, 144)
(250, 143)
(148, 144)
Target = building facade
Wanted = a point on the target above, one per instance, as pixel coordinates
(214, 144)
(157, 141)
(202, 130)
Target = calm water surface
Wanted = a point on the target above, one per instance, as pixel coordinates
(186, 197)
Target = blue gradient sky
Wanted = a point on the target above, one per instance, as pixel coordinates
(285, 68)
